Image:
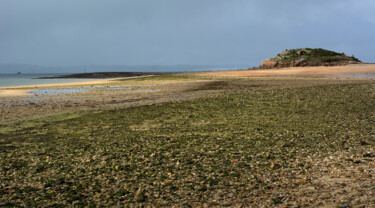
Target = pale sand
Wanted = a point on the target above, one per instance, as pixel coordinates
(105, 81)
(348, 69)
(355, 68)
(13, 91)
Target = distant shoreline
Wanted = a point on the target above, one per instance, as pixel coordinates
(104, 75)
(65, 84)
(294, 71)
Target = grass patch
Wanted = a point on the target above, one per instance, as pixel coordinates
(317, 55)
(17, 126)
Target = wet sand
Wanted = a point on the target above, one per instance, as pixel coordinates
(12, 91)
(103, 81)
(28, 102)
(336, 70)
(17, 103)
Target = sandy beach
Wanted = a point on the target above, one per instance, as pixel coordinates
(16, 102)
(68, 84)
(348, 69)
(14, 91)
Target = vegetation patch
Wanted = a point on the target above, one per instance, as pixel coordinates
(253, 146)
(308, 57)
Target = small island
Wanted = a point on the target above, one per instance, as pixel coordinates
(308, 57)
(103, 75)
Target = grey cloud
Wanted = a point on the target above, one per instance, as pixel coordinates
(167, 32)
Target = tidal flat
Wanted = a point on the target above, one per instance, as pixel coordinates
(197, 141)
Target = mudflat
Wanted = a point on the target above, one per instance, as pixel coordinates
(208, 139)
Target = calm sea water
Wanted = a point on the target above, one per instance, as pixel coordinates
(30, 72)
(29, 79)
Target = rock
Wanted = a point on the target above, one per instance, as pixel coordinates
(301, 53)
(268, 64)
(285, 52)
(300, 62)
(307, 57)
(369, 154)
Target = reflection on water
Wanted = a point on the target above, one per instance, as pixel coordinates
(91, 88)
(147, 90)
(57, 91)
(7, 80)
(117, 86)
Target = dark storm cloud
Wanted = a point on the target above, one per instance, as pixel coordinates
(166, 32)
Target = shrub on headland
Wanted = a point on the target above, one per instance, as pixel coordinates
(308, 57)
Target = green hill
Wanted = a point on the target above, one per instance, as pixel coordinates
(308, 57)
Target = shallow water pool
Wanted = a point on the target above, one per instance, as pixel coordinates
(57, 91)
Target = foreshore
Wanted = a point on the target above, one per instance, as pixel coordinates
(67, 84)
(20, 102)
(227, 138)
(295, 71)
(11, 91)
(188, 139)
(364, 69)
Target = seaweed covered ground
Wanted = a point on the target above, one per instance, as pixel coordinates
(254, 143)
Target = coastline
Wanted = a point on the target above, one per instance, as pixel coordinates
(104, 75)
(14, 91)
(102, 81)
(319, 70)
(11, 91)
(21, 91)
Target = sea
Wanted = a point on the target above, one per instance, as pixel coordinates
(30, 79)
(30, 72)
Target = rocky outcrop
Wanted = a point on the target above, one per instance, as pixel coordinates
(307, 57)
(268, 64)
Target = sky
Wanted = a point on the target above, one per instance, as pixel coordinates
(172, 32)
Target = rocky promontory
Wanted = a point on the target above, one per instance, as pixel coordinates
(308, 57)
